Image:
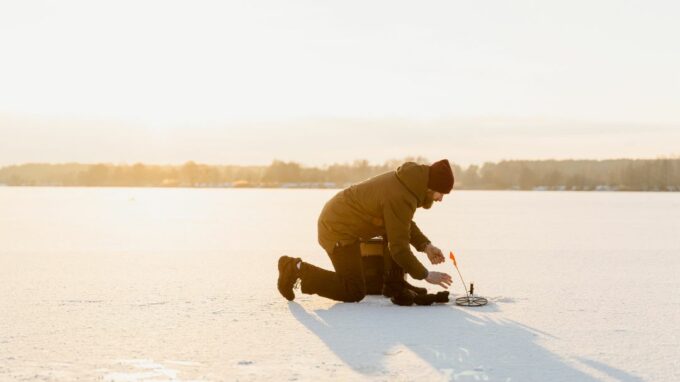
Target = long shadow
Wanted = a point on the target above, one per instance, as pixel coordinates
(460, 346)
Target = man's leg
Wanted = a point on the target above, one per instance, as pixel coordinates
(346, 284)
(395, 277)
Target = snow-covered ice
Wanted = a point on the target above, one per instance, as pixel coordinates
(179, 284)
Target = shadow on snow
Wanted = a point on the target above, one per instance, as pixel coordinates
(458, 345)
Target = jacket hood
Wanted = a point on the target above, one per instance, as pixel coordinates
(414, 177)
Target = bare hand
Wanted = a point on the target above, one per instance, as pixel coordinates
(439, 278)
(434, 254)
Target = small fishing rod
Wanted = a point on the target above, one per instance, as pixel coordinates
(455, 264)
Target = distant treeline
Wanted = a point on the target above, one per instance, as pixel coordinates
(615, 174)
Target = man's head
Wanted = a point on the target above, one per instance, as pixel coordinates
(431, 197)
(440, 182)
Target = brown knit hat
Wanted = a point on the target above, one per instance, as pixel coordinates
(441, 177)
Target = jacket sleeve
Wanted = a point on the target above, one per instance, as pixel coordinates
(398, 215)
(417, 238)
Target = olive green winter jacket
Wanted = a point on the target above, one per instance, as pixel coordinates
(382, 205)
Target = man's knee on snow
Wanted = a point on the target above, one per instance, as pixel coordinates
(355, 292)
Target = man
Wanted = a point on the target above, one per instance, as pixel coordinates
(381, 206)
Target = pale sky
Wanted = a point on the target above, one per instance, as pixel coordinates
(321, 82)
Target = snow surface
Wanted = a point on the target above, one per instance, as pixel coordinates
(170, 284)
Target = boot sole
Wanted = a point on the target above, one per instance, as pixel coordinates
(282, 268)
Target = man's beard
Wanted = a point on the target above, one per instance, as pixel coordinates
(429, 200)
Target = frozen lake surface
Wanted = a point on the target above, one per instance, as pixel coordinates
(180, 284)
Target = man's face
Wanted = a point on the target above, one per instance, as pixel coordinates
(431, 197)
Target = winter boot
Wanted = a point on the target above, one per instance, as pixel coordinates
(288, 276)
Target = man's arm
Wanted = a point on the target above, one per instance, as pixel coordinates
(417, 239)
(397, 216)
(423, 244)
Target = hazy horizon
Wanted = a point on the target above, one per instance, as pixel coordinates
(324, 141)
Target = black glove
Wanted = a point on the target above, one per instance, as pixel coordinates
(407, 297)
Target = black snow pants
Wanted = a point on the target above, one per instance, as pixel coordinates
(346, 284)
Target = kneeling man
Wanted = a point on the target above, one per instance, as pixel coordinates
(380, 206)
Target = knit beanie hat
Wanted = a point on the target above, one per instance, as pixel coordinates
(441, 177)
